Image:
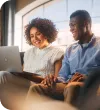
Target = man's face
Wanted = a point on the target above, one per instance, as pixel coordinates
(77, 28)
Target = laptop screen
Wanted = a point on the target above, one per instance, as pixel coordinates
(10, 59)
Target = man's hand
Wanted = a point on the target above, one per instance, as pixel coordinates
(75, 83)
(49, 80)
(78, 77)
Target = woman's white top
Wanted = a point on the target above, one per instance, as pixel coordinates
(41, 61)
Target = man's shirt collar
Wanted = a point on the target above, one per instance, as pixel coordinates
(87, 44)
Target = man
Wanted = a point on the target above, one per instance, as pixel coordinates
(80, 59)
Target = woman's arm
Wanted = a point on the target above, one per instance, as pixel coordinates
(57, 66)
(52, 78)
(30, 76)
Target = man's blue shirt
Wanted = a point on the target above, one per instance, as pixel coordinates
(81, 58)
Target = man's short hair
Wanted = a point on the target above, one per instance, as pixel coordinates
(82, 14)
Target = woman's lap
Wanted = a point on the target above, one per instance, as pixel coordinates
(13, 89)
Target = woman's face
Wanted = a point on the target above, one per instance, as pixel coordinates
(37, 38)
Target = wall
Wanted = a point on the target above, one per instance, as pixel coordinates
(22, 3)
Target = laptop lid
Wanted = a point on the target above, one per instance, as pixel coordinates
(10, 59)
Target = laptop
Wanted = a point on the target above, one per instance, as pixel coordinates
(10, 61)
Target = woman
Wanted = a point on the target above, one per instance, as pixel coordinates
(42, 59)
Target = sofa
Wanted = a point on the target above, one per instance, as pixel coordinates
(22, 56)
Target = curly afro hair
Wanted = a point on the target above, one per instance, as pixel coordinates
(45, 26)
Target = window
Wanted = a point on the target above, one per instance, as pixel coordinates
(58, 11)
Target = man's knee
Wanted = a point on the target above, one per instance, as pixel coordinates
(71, 93)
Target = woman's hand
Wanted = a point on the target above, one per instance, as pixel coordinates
(49, 80)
